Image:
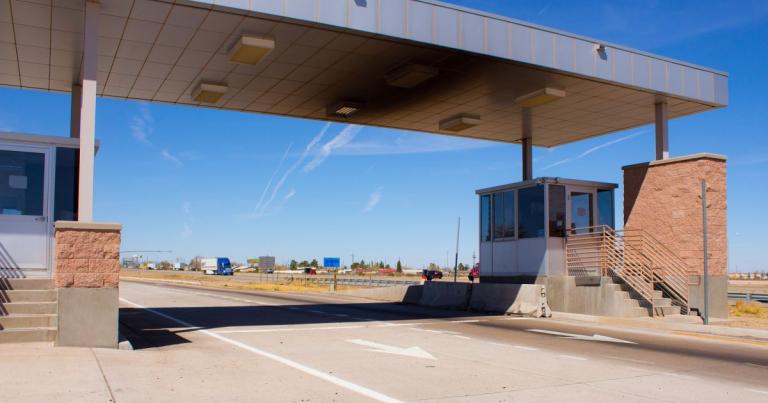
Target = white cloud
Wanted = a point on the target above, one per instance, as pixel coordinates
(262, 207)
(170, 157)
(410, 143)
(290, 194)
(186, 207)
(272, 178)
(343, 138)
(373, 200)
(593, 149)
(187, 231)
(141, 125)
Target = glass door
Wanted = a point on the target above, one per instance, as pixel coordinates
(24, 210)
(581, 210)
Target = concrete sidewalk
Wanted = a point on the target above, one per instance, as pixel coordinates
(674, 324)
(38, 372)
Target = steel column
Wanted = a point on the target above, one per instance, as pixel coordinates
(86, 118)
(662, 130)
(527, 145)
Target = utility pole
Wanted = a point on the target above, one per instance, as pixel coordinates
(706, 262)
(456, 259)
(473, 259)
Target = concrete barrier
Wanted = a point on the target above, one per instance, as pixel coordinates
(446, 295)
(406, 294)
(524, 299)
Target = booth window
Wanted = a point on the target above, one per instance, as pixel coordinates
(605, 213)
(531, 212)
(504, 214)
(65, 195)
(557, 210)
(485, 218)
(22, 176)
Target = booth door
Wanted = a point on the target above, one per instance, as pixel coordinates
(24, 211)
(581, 208)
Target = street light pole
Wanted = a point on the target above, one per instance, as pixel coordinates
(456, 259)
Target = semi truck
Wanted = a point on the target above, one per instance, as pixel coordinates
(218, 266)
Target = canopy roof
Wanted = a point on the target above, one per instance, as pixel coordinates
(326, 51)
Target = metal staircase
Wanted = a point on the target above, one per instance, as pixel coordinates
(653, 273)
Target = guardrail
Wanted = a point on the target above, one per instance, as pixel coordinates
(748, 296)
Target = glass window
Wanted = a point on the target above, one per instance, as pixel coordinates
(531, 212)
(557, 210)
(22, 182)
(605, 206)
(504, 214)
(65, 203)
(485, 218)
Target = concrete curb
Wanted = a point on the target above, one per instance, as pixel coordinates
(655, 325)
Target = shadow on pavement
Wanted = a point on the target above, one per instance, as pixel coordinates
(145, 329)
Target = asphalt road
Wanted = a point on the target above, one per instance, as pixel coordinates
(206, 345)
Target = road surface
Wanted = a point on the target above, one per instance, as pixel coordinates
(211, 345)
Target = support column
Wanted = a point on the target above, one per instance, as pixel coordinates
(527, 145)
(662, 130)
(86, 118)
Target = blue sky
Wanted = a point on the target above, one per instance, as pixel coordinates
(207, 182)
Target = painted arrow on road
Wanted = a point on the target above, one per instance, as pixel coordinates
(414, 351)
(594, 337)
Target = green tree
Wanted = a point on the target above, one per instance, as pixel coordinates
(314, 263)
(303, 263)
(433, 266)
(294, 265)
(399, 266)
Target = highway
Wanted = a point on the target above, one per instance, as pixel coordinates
(246, 346)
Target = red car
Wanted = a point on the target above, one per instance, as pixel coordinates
(474, 273)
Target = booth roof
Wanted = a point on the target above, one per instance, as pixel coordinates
(550, 180)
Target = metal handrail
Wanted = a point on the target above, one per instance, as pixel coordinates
(634, 256)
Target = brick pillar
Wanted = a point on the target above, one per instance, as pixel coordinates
(663, 198)
(87, 275)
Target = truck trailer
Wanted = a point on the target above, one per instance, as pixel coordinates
(219, 266)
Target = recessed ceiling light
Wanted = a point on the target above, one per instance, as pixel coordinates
(410, 75)
(209, 93)
(250, 49)
(540, 97)
(344, 109)
(459, 123)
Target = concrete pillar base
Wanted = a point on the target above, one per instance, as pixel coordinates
(88, 317)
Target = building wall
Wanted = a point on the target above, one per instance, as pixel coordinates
(663, 198)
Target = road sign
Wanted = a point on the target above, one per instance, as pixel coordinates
(332, 262)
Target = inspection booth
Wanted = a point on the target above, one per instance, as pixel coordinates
(38, 186)
(523, 225)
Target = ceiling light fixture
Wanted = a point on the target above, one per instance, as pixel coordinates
(209, 93)
(344, 109)
(459, 122)
(410, 75)
(540, 97)
(250, 49)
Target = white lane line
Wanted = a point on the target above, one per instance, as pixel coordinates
(526, 348)
(285, 361)
(572, 357)
(316, 311)
(289, 329)
(681, 376)
(294, 328)
(465, 321)
(764, 392)
(461, 337)
(756, 365)
(613, 357)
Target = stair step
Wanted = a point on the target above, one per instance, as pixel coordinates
(27, 335)
(633, 303)
(668, 310)
(28, 295)
(11, 308)
(26, 284)
(662, 302)
(19, 321)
